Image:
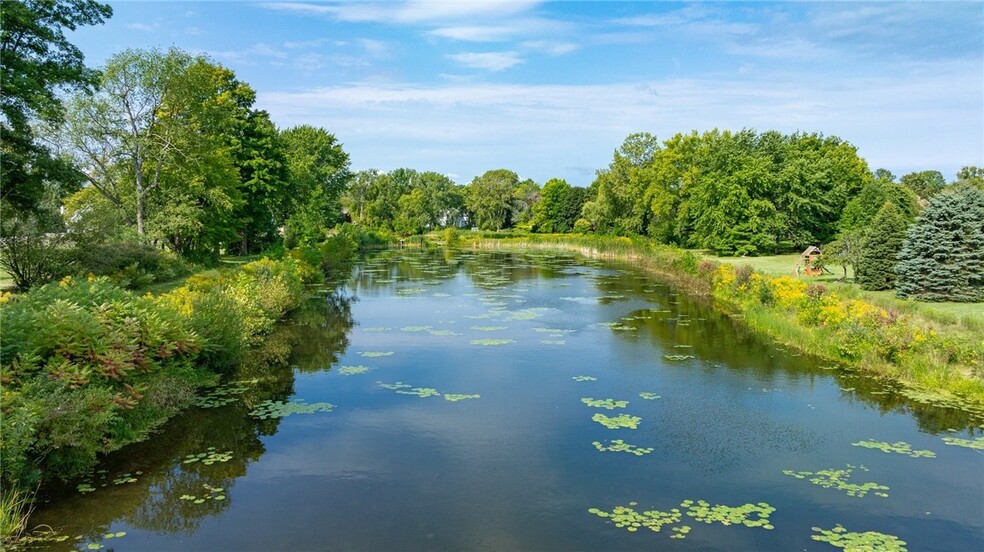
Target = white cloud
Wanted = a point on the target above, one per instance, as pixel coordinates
(475, 33)
(374, 48)
(143, 27)
(491, 61)
(550, 48)
(549, 130)
(194, 31)
(408, 11)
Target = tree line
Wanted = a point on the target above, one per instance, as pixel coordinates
(167, 149)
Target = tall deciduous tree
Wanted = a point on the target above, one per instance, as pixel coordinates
(943, 255)
(924, 184)
(880, 249)
(36, 60)
(318, 172)
(490, 198)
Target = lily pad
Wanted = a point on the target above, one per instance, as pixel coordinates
(619, 445)
(584, 378)
(453, 397)
(491, 342)
(267, 410)
(838, 479)
(353, 370)
(840, 537)
(617, 422)
(977, 443)
(900, 447)
(374, 354)
(609, 404)
(415, 328)
(649, 396)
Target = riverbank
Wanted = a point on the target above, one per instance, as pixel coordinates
(929, 359)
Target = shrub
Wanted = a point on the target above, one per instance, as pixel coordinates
(31, 256)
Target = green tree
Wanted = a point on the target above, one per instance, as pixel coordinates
(318, 170)
(36, 61)
(547, 211)
(490, 198)
(861, 210)
(924, 184)
(356, 196)
(880, 249)
(942, 258)
(971, 175)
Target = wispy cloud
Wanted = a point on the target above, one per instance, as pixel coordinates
(549, 47)
(896, 121)
(475, 33)
(147, 28)
(407, 11)
(491, 61)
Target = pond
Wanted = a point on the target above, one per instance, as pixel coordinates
(447, 400)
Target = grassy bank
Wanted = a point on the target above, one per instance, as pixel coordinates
(932, 356)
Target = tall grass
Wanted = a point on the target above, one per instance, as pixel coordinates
(15, 509)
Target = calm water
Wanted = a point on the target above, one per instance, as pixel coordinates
(516, 468)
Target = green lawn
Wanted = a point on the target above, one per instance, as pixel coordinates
(968, 314)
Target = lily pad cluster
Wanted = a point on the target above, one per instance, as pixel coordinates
(678, 357)
(209, 457)
(617, 422)
(126, 478)
(442, 332)
(488, 342)
(353, 370)
(122, 479)
(619, 445)
(268, 409)
(424, 392)
(377, 329)
(489, 328)
(631, 520)
(584, 378)
(873, 541)
(730, 515)
(455, 397)
(374, 354)
(554, 341)
(213, 493)
(610, 404)
(650, 396)
(415, 328)
(977, 443)
(222, 395)
(838, 479)
(900, 447)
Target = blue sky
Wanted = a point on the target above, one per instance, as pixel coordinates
(550, 89)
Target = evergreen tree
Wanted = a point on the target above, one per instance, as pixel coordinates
(880, 248)
(943, 255)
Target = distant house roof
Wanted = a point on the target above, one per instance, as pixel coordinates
(812, 250)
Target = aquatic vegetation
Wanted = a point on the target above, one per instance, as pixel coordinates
(610, 404)
(553, 342)
(85, 488)
(528, 314)
(353, 370)
(214, 493)
(977, 443)
(223, 395)
(453, 397)
(491, 341)
(488, 328)
(268, 409)
(415, 328)
(584, 378)
(440, 294)
(409, 291)
(631, 520)
(209, 457)
(872, 541)
(619, 445)
(620, 421)
(552, 330)
(125, 478)
(377, 329)
(837, 479)
(900, 447)
(394, 386)
(730, 515)
(649, 396)
(374, 354)
(422, 392)
(443, 332)
(677, 357)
